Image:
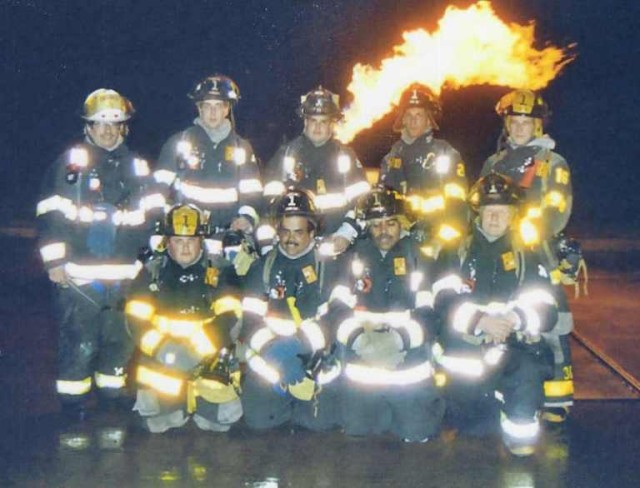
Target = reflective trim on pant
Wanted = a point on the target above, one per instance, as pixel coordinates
(110, 381)
(76, 388)
(91, 338)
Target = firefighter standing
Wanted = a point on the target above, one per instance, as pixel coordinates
(495, 297)
(287, 349)
(526, 155)
(319, 163)
(209, 164)
(93, 220)
(384, 318)
(182, 312)
(428, 171)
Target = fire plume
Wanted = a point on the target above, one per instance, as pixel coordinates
(470, 47)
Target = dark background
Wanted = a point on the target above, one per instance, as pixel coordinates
(55, 52)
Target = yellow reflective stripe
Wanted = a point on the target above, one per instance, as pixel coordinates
(453, 190)
(424, 299)
(313, 332)
(110, 381)
(448, 233)
(140, 309)
(155, 200)
(177, 327)
(53, 251)
(522, 431)
(343, 294)
(103, 271)
(140, 167)
(443, 163)
(163, 383)
(465, 366)
(556, 199)
(378, 376)
(55, 202)
(426, 205)
(280, 326)
(344, 164)
(202, 344)
(252, 185)
(529, 233)
(330, 201)
(129, 217)
(326, 377)
(209, 195)
(274, 188)
(533, 213)
(150, 341)
(227, 304)
(78, 156)
(462, 316)
(260, 338)
(262, 369)
(255, 305)
(396, 320)
(559, 388)
(80, 387)
(164, 176)
(239, 155)
(357, 189)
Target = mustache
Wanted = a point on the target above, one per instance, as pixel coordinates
(384, 236)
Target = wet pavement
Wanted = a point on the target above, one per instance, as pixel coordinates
(598, 446)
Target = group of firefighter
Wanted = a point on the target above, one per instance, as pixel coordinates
(298, 293)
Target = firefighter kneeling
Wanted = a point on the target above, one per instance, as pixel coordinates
(181, 312)
(382, 308)
(496, 299)
(289, 354)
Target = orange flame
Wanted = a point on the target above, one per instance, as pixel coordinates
(470, 47)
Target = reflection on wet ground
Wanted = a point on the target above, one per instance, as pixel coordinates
(597, 448)
(592, 450)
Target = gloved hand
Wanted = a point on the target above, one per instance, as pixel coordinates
(174, 354)
(284, 355)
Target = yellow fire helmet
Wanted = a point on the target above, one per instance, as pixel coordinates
(527, 103)
(185, 220)
(105, 105)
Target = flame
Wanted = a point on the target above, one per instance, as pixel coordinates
(470, 47)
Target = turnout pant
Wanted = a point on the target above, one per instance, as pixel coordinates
(411, 412)
(265, 408)
(93, 343)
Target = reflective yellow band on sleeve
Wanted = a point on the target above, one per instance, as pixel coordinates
(139, 309)
(227, 304)
(357, 189)
(560, 388)
(110, 381)
(202, 344)
(54, 251)
(448, 233)
(209, 195)
(250, 186)
(164, 176)
(274, 188)
(453, 190)
(255, 305)
(80, 387)
(150, 341)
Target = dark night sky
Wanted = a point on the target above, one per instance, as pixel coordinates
(55, 53)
